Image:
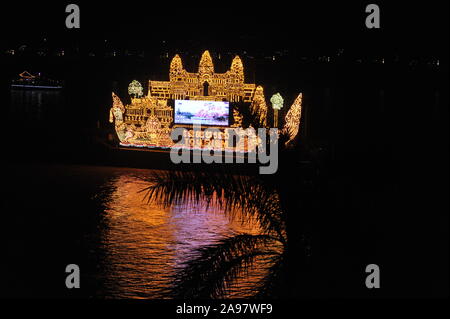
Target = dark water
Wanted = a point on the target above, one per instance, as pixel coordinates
(35, 106)
(144, 243)
(95, 217)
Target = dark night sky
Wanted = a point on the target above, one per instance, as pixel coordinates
(407, 27)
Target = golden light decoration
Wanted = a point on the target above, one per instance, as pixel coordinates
(206, 66)
(237, 117)
(206, 84)
(117, 110)
(259, 106)
(277, 103)
(147, 121)
(292, 119)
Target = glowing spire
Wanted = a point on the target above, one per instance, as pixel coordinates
(206, 65)
(236, 64)
(237, 68)
(176, 64)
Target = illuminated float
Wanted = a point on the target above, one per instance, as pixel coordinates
(201, 98)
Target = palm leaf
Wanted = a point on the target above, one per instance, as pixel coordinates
(235, 194)
(274, 283)
(216, 266)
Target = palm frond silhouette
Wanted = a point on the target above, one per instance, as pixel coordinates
(215, 267)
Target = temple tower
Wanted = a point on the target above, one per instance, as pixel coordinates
(237, 69)
(176, 67)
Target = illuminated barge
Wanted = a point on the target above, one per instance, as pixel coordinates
(190, 99)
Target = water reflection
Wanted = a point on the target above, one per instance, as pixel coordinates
(34, 105)
(142, 244)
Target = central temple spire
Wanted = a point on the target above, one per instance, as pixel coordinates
(206, 65)
(205, 84)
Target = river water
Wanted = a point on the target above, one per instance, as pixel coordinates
(97, 218)
(92, 216)
(144, 243)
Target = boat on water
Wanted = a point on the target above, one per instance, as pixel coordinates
(26, 80)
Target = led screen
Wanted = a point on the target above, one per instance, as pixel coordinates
(201, 112)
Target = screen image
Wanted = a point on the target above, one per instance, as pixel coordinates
(202, 112)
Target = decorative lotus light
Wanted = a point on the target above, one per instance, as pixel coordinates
(135, 89)
(277, 103)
